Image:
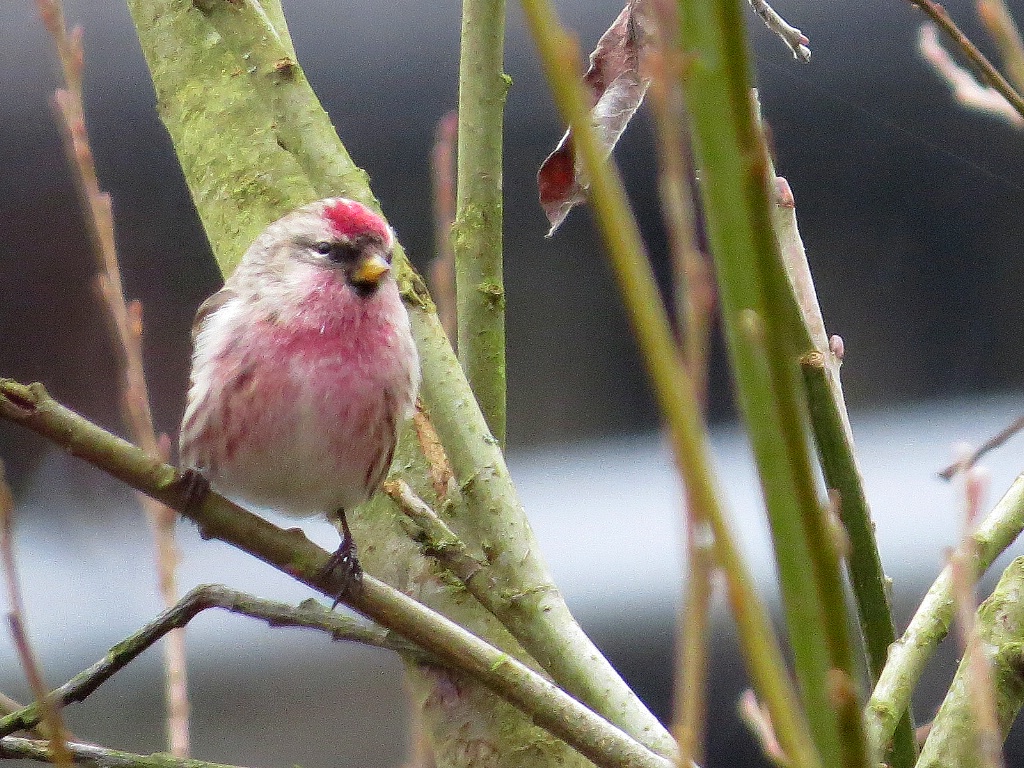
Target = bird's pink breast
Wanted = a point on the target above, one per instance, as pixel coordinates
(306, 407)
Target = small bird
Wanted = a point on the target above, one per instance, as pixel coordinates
(303, 369)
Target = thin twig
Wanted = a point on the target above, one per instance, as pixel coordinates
(966, 89)
(48, 707)
(1000, 25)
(989, 73)
(292, 553)
(442, 268)
(15, 748)
(438, 539)
(791, 36)
(759, 721)
(692, 644)
(980, 682)
(989, 445)
(126, 326)
(309, 614)
(694, 303)
(693, 284)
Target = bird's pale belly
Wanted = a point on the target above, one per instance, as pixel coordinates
(304, 434)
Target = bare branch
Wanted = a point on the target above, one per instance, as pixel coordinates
(14, 748)
(292, 553)
(48, 707)
(126, 329)
(989, 73)
(791, 36)
(966, 89)
(310, 614)
(438, 539)
(442, 268)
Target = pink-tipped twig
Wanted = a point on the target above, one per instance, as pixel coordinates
(991, 444)
(442, 268)
(694, 286)
(126, 324)
(15, 619)
(980, 680)
(758, 720)
(966, 89)
(791, 36)
(995, 15)
(989, 73)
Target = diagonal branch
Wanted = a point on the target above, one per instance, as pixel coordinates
(930, 624)
(989, 73)
(15, 748)
(309, 614)
(292, 553)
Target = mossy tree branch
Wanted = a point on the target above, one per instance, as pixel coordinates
(480, 291)
(930, 624)
(244, 172)
(292, 553)
(953, 739)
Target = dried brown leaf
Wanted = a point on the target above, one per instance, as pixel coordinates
(617, 85)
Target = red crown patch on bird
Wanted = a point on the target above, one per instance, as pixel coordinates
(351, 219)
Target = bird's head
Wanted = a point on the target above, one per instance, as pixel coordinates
(350, 237)
(337, 234)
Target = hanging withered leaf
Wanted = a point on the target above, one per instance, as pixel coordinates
(617, 87)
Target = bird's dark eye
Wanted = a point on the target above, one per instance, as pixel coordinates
(344, 252)
(323, 247)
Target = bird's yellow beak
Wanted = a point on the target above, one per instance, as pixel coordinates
(370, 271)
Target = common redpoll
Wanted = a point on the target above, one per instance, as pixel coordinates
(303, 369)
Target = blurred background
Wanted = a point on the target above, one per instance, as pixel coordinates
(909, 207)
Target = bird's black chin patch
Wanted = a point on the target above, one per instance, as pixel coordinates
(365, 290)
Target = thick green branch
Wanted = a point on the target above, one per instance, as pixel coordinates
(908, 656)
(292, 553)
(766, 336)
(477, 233)
(952, 740)
(242, 178)
(833, 436)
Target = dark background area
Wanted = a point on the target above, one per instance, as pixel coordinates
(908, 204)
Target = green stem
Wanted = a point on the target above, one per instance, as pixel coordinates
(833, 436)
(480, 289)
(766, 335)
(673, 387)
(292, 553)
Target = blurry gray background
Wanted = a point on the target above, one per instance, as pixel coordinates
(909, 207)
